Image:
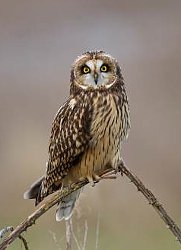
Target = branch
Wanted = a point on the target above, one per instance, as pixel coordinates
(97, 232)
(85, 236)
(69, 233)
(10, 229)
(56, 197)
(53, 200)
(152, 201)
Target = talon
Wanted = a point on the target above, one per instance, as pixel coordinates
(109, 176)
(96, 177)
(91, 181)
(121, 164)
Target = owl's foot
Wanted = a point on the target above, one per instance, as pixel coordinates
(110, 175)
(120, 165)
(92, 179)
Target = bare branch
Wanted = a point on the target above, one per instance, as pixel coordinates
(56, 197)
(97, 231)
(25, 243)
(85, 235)
(57, 242)
(10, 229)
(69, 234)
(76, 240)
(152, 201)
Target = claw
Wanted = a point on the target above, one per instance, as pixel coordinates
(120, 165)
(93, 179)
(90, 180)
(111, 175)
(96, 177)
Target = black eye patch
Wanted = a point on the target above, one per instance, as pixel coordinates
(85, 69)
(104, 68)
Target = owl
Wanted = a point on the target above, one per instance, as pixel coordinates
(87, 131)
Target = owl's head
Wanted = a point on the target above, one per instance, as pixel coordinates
(95, 69)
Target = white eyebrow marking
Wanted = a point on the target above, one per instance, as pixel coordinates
(90, 64)
(99, 63)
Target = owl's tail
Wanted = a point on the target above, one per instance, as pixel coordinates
(65, 207)
(34, 190)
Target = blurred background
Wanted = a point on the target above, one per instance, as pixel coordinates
(38, 42)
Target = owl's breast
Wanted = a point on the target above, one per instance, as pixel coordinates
(104, 147)
(106, 133)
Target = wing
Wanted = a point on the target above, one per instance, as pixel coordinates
(70, 136)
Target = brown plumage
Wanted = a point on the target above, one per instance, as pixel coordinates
(87, 130)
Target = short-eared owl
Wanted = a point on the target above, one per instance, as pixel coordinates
(87, 130)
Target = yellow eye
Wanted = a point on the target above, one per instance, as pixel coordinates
(86, 70)
(104, 68)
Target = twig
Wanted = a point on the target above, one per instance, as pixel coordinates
(56, 197)
(76, 240)
(97, 231)
(25, 243)
(152, 201)
(55, 239)
(69, 234)
(10, 229)
(85, 235)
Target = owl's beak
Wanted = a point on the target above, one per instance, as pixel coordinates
(96, 78)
